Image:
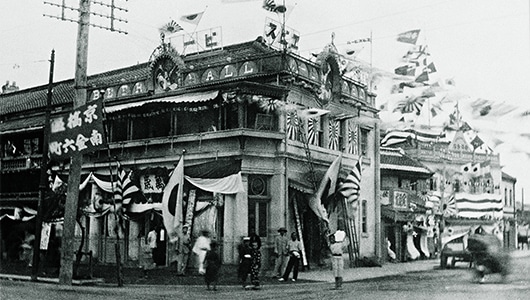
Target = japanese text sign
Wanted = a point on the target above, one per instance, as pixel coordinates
(79, 131)
(273, 35)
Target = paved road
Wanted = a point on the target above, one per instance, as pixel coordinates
(431, 284)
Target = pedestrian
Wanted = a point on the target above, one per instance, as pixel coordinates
(280, 252)
(202, 245)
(294, 248)
(255, 264)
(147, 261)
(245, 260)
(212, 262)
(183, 251)
(337, 261)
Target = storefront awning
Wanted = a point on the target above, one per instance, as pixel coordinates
(185, 98)
(22, 125)
(301, 187)
(397, 215)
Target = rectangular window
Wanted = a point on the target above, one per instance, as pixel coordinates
(364, 141)
(432, 184)
(257, 217)
(364, 217)
(118, 129)
(258, 204)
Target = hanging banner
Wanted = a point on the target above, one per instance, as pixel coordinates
(79, 131)
(45, 236)
(190, 209)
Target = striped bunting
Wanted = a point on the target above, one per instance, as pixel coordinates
(351, 186)
(480, 205)
(125, 188)
(398, 136)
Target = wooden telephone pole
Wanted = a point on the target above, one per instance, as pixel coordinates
(80, 85)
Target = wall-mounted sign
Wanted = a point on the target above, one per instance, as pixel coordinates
(273, 35)
(203, 40)
(79, 131)
(400, 199)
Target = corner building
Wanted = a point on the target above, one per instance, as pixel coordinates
(273, 118)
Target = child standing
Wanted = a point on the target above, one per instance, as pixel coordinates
(212, 260)
(255, 264)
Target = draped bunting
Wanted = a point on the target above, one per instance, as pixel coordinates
(228, 185)
(104, 182)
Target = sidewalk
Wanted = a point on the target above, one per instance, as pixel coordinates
(167, 276)
(388, 269)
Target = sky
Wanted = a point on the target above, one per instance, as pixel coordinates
(482, 45)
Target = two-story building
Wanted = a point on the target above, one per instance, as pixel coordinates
(269, 118)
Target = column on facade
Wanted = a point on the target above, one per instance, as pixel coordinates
(235, 223)
(134, 240)
(93, 230)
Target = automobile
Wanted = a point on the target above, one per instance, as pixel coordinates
(489, 256)
(455, 249)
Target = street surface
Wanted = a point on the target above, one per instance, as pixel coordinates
(432, 284)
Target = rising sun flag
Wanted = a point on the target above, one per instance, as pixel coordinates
(350, 188)
(172, 202)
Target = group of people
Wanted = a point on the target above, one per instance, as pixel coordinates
(250, 261)
(287, 254)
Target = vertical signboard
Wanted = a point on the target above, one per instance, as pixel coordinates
(79, 131)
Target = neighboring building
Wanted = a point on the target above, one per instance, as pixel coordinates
(467, 177)
(509, 210)
(269, 118)
(407, 213)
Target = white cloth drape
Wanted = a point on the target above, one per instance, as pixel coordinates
(227, 185)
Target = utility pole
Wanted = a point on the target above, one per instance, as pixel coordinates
(74, 178)
(80, 85)
(43, 185)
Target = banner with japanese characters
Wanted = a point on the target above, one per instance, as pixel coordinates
(79, 131)
(273, 35)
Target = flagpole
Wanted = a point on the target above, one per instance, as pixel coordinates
(371, 56)
(195, 29)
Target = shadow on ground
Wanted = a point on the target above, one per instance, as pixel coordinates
(133, 275)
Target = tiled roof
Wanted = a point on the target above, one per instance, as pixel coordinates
(64, 92)
(395, 159)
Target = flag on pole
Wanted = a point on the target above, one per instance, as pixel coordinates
(193, 18)
(477, 142)
(409, 37)
(270, 5)
(449, 207)
(424, 76)
(351, 186)
(325, 189)
(172, 202)
(431, 68)
(125, 188)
